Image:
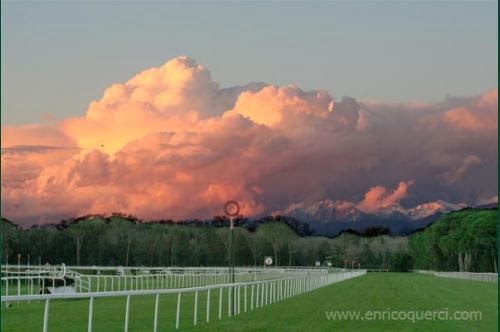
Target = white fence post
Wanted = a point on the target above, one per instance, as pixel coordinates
(220, 303)
(127, 310)
(91, 312)
(257, 296)
(195, 318)
(251, 298)
(46, 316)
(245, 298)
(229, 301)
(208, 305)
(177, 314)
(157, 304)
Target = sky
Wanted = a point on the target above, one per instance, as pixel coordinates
(374, 50)
(168, 110)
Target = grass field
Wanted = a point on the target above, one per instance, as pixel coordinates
(374, 291)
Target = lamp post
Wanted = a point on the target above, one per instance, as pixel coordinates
(231, 209)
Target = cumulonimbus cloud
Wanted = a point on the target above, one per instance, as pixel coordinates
(171, 143)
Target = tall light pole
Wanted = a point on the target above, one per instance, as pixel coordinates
(231, 251)
(231, 209)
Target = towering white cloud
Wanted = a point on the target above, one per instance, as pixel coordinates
(170, 143)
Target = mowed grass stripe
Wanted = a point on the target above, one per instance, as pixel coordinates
(374, 291)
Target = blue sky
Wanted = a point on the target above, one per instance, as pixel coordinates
(58, 56)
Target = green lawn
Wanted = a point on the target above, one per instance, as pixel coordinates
(375, 291)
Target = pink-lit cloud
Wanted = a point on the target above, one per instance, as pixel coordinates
(482, 114)
(171, 143)
(379, 198)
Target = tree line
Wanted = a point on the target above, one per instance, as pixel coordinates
(463, 240)
(121, 240)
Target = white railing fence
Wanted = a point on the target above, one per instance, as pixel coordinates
(33, 270)
(29, 285)
(112, 283)
(96, 279)
(478, 276)
(240, 297)
(93, 269)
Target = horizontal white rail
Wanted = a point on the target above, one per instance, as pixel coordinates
(478, 276)
(15, 268)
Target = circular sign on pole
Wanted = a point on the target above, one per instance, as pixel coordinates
(329, 264)
(317, 263)
(268, 261)
(231, 209)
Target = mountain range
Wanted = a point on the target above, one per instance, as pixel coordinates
(328, 217)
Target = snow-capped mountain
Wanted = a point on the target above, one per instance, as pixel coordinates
(428, 209)
(330, 217)
(325, 210)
